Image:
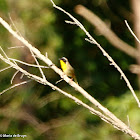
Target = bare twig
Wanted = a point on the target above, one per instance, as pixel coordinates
(31, 65)
(6, 54)
(14, 25)
(131, 31)
(41, 71)
(15, 47)
(16, 85)
(58, 81)
(121, 72)
(70, 22)
(5, 68)
(21, 75)
(14, 76)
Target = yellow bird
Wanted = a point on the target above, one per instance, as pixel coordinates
(67, 68)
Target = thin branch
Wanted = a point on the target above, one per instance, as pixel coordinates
(58, 81)
(31, 65)
(21, 75)
(15, 47)
(70, 22)
(31, 76)
(121, 72)
(14, 76)
(5, 68)
(75, 20)
(131, 31)
(14, 25)
(41, 71)
(16, 85)
(13, 61)
(6, 54)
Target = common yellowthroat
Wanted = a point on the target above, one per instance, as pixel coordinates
(67, 68)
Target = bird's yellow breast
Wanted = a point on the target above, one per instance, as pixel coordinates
(63, 65)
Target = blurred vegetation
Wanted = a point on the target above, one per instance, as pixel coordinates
(42, 113)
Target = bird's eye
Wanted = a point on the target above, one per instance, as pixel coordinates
(64, 60)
